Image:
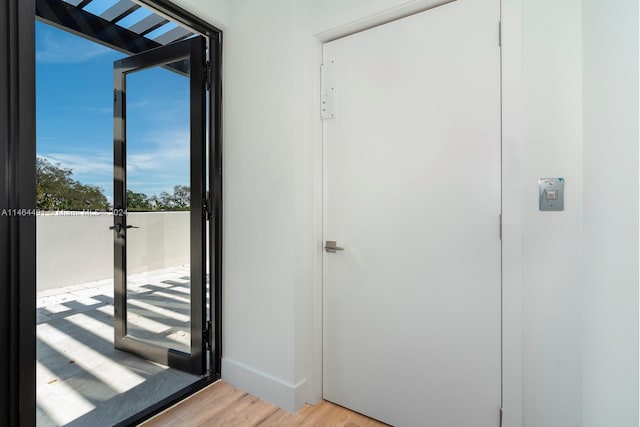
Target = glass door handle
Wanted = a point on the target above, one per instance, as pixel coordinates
(118, 227)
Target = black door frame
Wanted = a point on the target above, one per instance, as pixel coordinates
(17, 208)
(17, 232)
(193, 49)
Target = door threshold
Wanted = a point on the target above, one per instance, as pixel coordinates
(169, 402)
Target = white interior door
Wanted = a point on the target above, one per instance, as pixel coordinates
(412, 193)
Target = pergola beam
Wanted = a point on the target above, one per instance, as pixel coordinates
(148, 24)
(85, 24)
(119, 10)
(88, 25)
(171, 36)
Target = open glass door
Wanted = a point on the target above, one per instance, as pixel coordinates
(160, 239)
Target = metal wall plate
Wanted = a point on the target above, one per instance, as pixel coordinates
(328, 95)
(551, 193)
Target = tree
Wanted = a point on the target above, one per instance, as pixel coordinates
(138, 201)
(56, 189)
(180, 200)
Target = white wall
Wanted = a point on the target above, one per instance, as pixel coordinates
(260, 136)
(272, 249)
(79, 249)
(162, 240)
(271, 157)
(215, 12)
(610, 336)
(552, 276)
(72, 250)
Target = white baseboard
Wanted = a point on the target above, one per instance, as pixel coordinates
(290, 397)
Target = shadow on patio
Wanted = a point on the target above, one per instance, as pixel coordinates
(81, 379)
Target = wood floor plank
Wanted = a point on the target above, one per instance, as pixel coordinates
(166, 419)
(218, 410)
(250, 411)
(215, 398)
(221, 405)
(279, 418)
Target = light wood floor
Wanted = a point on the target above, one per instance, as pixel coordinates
(224, 405)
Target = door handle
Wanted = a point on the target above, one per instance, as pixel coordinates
(118, 227)
(331, 247)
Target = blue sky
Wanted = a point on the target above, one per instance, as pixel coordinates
(74, 83)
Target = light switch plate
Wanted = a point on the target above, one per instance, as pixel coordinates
(551, 194)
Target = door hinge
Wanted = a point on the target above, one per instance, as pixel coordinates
(207, 77)
(207, 335)
(499, 33)
(206, 206)
(500, 228)
(328, 89)
(501, 412)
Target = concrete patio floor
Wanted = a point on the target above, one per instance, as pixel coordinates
(81, 379)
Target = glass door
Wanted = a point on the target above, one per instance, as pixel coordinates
(159, 205)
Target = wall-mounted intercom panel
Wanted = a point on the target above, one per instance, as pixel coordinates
(551, 194)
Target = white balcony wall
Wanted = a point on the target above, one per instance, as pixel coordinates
(79, 249)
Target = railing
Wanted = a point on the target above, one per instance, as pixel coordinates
(77, 248)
